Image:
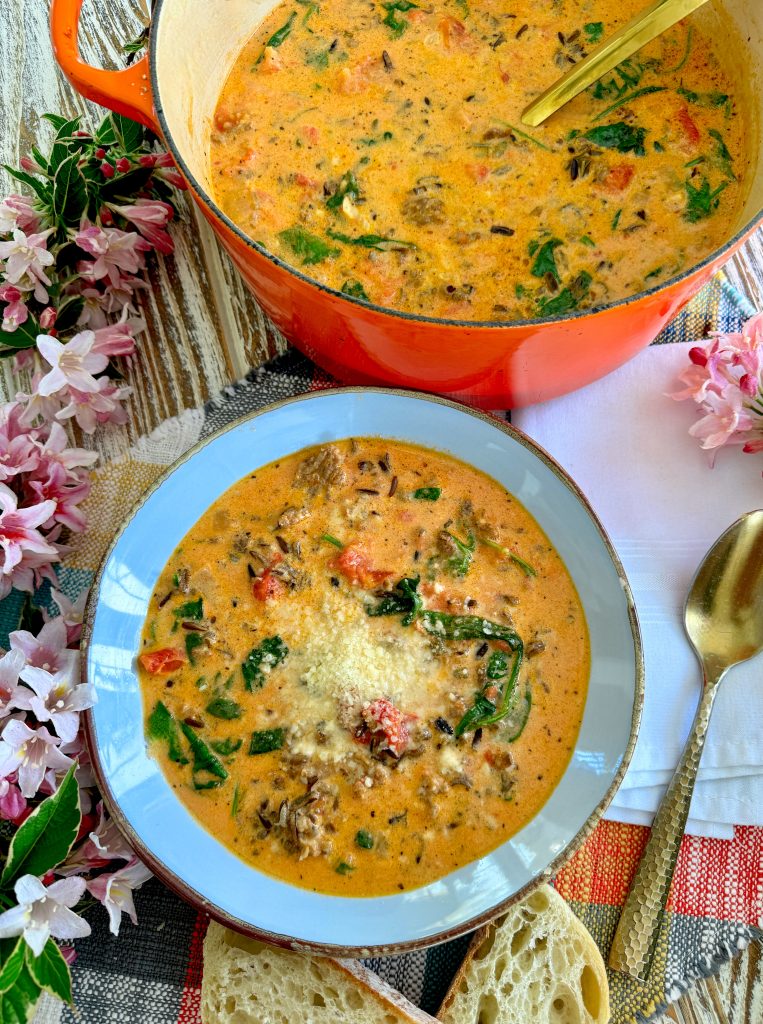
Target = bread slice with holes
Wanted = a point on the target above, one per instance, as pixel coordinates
(248, 982)
(535, 965)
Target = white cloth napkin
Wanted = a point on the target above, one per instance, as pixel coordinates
(627, 445)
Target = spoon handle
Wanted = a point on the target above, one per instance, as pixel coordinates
(635, 942)
(647, 24)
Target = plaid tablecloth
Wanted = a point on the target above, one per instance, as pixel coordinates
(152, 974)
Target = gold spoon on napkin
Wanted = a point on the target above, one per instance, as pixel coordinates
(646, 26)
(723, 617)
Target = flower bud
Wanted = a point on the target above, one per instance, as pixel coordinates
(147, 160)
(107, 170)
(748, 385)
(123, 164)
(47, 318)
(698, 356)
(100, 153)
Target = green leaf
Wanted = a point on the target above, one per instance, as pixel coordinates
(70, 200)
(625, 138)
(50, 971)
(391, 20)
(594, 30)
(271, 652)
(309, 248)
(404, 599)
(334, 541)
(224, 707)
(568, 298)
(41, 189)
(348, 186)
(163, 726)
(138, 43)
(18, 1003)
(69, 313)
(629, 97)
(47, 835)
(124, 186)
(364, 839)
(545, 261)
(265, 740)
(12, 953)
(192, 641)
(700, 201)
(55, 119)
(190, 610)
(129, 134)
(25, 335)
(484, 711)
(278, 37)
(355, 289)
(105, 135)
(427, 493)
(497, 666)
(721, 155)
(459, 562)
(204, 761)
(226, 747)
(64, 143)
(343, 868)
(370, 241)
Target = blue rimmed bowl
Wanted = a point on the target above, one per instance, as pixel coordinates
(187, 857)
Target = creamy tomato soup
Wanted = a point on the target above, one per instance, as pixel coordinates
(364, 667)
(377, 146)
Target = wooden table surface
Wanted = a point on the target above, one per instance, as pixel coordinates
(204, 329)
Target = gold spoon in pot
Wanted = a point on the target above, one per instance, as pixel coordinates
(723, 617)
(642, 29)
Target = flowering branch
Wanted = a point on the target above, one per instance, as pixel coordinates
(725, 380)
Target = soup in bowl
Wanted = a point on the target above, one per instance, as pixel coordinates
(367, 669)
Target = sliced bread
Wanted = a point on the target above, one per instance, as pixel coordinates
(248, 982)
(535, 965)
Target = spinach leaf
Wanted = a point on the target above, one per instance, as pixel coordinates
(278, 37)
(309, 248)
(397, 24)
(625, 138)
(564, 302)
(722, 157)
(271, 652)
(526, 568)
(704, 99)
(370, 241)
(403, 600)
(343, 868)
(467, 627)
(163, 726)
(427, 493)
(484, 711)
(364, 839)
(513, 725)
(355, 289)
(497, 666)
(374, 140)
(224, 707)
(459, 562)
(192, 641)
(629, 97)
(204, 761)
(226, 747)
(545, 262)
(266, 740)
(625, 76)
(348, 186)
(193, 610)
(594, 30)
(334, 541)
(700, 201)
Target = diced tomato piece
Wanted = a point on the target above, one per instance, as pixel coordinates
(309, 133)
(268, 587)
(453, 32)
(388, 724)
(619, 177)
(477, 171)
(355, 566)
(688, 127)
(304, 181)
(162, 662)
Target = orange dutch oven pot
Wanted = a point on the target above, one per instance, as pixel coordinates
(173, 90)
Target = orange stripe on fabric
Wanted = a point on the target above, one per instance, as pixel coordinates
(601, 871)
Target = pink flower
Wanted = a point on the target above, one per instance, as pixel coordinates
(12, 803)
(25, 257)
(93, 407)
(11, 665)
(31, 752)
(17, 212)
(14, 315)
(44, 911)
(48, 650)
(66, 492)
(117, 339)
(725, 416)
(56, 699)
(71, 612)
(48, 318)
(73, 363)
(150, 217)
(18, 452)
(115, 251)
(37, 406)
(104, 843)
(115, 891)
(24, 549)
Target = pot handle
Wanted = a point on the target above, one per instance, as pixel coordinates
(127, 92)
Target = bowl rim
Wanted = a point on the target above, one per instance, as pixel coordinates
(414, 318)
(186, 891)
